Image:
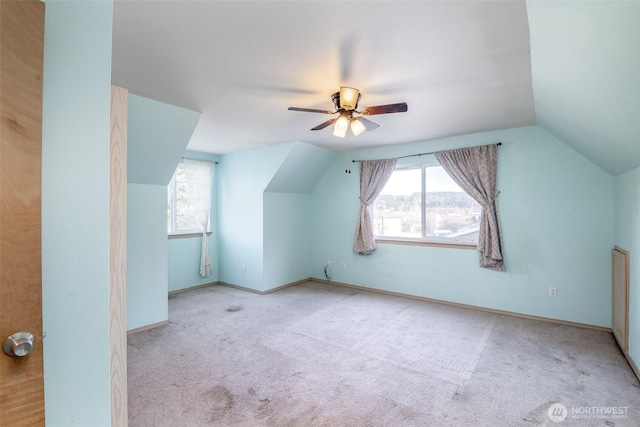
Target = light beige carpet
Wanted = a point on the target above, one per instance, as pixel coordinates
(449, 352)
(323, 355)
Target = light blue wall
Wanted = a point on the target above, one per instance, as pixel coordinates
(243, 178)
(184, 253)
(287, 214)
(157, 133)
(75, 212)
(287, 234)
(577, 47)
(301, 169)
(264, 213)
(147, 255)
(556, 211)
(627, 236)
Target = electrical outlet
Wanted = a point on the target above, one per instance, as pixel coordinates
(553, 292)
(328, 263)
(244, 268)
(344, 265)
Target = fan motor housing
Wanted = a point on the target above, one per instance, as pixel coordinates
(335, 98)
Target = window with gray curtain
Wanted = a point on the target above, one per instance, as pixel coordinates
(474, 169)
(422, 203)
(373, 176)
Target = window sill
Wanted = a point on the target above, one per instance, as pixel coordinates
(454, 245)
(185, 235)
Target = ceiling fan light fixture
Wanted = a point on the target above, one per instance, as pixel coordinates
(339, 132)
(341, 127)
(349, 97)
(357, 127)
(346, 103)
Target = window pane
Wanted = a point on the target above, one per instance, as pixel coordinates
(450, 213)
(396, 211)
(170, 199)
(184, 192)
(190, 185)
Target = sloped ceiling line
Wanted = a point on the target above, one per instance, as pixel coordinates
(301, 170)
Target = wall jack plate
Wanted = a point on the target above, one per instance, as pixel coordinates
(553, 292)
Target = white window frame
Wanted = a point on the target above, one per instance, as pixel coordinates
(172, 220)
(424, 240)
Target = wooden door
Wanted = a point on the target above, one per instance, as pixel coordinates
(21, 63)
(619, 297)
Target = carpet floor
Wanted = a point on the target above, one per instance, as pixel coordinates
(324, 355)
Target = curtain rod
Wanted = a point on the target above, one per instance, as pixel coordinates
(411, 155)
(200, 160)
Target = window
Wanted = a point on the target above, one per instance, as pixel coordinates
(189, 197)
(421, 202)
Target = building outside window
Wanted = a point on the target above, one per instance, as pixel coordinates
(421, 202)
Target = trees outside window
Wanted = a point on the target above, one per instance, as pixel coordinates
(421, 202)
(191, 183)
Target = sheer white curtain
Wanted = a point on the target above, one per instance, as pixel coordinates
(199, 196)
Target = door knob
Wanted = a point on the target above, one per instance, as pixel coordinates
(18, 344)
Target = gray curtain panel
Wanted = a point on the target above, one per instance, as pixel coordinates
(475, 169)
(374, 174)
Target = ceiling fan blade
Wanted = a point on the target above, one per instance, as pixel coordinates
(385, 109)
(368, 124)
(325, 124)
(310, 110)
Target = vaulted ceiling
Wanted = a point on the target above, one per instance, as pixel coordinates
(461, 66)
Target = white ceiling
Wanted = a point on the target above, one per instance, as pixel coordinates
(462, 67)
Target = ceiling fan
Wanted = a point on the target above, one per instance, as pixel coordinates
(346, 103)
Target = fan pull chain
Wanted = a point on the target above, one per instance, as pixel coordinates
(348, 158)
